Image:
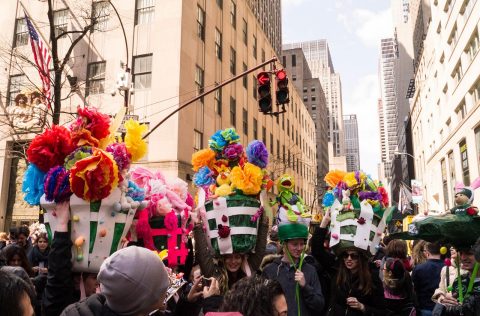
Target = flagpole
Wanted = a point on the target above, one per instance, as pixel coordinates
(47, 42)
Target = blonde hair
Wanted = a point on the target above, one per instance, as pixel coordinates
(3, 236)
(417, 253)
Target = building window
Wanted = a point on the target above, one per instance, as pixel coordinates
(220, 4)
(254, 47)
(16, 85)
(312, 89)
(314, 107)
(288, 127)
(467, 7)
(142, 71)
(233, 14)
(197, 140)
(294, 77)
(101, 12)
(245, 122)
(145, 11)
(255, 128)
(461, 111)
(443, 167)
(255, 88)
(200, 23)
(305, 98)
(218, 101)
(284, 61)
(245, 77)
(245, 32)
(21, 32)
(233, 112)
(452, 40)
(95, 78)
(199, 79)
(453, 180)
(288, 162)
(263, 55)
(278, 149)
(457, 73)
(476, 93)
(283, 148)
(477, 143)
(218, 44)
(264, 135)
(464, 159)
(283, 122)
(271, 144)
(233, 61)
(60, 20)
(472, 47)
(314, 98)
(294, 60)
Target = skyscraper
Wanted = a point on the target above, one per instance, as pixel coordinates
(269, 16)
(352, 147)
(319, 59)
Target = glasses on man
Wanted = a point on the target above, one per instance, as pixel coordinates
(351, 255)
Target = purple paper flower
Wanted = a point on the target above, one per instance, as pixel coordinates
(257, 153)
(120, 154)
(367, 195)
(233, 152)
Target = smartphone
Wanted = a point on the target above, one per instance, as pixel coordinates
(206, 281)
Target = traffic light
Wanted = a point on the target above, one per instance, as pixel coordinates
(264, 92)
(282, 87)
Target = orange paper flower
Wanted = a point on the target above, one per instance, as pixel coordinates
(334, 177)
(203, 158)
(249, 179)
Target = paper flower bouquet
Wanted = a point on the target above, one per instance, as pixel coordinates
(164, 224)
(359, 210)
(230, 181)
(86, 165)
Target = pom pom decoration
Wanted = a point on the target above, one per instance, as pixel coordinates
(89, 118)
(32, 184)
(203, 158)
(83, 137)
(76, 155)
(334, 177)
(328, 199)
(171, 221)
(443, 250)
(135, 192)
(203, 177)
(233, 152)
(248, 180)
(94, 178)
(217, 142)
(257, 154)
(121, 155)
(57, 185)
(136, 146)
(50, 148)
(230, 135)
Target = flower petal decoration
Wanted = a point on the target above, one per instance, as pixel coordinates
(203, 158)
(203, 177)
(328, 199)
(257, 153)
(76, 155)
(121, 155)
(248, 180)
(50, 148)
(83, 137)
(57, 185)
(171, 221)
(95, 122)
(233, 152)
(32, 184)
(334, 177)
(136, 146)
(94, 178)
(217, 142)
(384, 194)
(230, 135)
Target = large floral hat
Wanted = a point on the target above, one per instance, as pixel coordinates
(230, 180)
(87, 164)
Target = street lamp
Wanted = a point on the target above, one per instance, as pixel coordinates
(406, 154)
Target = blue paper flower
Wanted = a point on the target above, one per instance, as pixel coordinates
(230, 135)
(257, 153)
(217, 142)
(135, 192)
(203, 177)
(32, 184)
(328, 199)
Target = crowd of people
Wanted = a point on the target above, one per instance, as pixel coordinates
(298, 275)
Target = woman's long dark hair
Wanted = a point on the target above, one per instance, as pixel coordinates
(363, 276)
(252, 296)
(12, 250)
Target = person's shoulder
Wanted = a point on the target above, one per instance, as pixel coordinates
(91, 306)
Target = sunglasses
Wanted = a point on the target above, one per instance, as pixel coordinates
(353, 256)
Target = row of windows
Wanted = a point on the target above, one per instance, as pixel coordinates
(144, 14)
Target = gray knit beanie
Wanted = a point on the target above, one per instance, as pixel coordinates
(132, 279)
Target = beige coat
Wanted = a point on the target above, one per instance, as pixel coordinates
(442, 286)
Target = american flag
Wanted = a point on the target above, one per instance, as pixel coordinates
(42, 58)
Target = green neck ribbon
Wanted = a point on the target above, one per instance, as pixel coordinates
(299, 267)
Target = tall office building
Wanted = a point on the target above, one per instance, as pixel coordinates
(314, 99)
(176, 50)
(319, 60)
(269, 16)
(352, 147)
(388, 115)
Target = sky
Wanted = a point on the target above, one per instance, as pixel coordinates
(353, 29)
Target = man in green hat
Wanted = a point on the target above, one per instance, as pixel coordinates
(299, 279)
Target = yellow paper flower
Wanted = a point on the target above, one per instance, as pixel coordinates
(334, 177)
(136, 146)
(203, 158)
(249, 179)
(350, 179)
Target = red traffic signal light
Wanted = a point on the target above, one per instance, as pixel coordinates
(282, 87)
(264, 92)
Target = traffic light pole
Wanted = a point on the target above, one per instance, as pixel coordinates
(246, 72)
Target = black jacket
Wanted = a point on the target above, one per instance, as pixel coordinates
(311, 297)
(36, 256)
(470, 307)
(59, 290)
